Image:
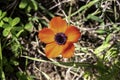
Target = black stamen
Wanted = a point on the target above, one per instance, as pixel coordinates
(60, 38)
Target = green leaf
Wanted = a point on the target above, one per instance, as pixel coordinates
(18, 30)
(6, 25)
(15, 21)
(86, 75)
(101, 31)
(88, 5)
(93, 17)
(18, 34)
(29, 27)
(1, 23)
(100, 49)
(29, 8)
(107, 39)
(14, 62)
(35, 59)
(2, 15)
(0, 12)
(10, 20)
(34, 4)
(3, 75)
(23, 4)
(112, 53)
(6, 19)
(46, 10)
(23, 76)
(6, 31)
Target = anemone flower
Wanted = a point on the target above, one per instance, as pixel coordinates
(59, 38)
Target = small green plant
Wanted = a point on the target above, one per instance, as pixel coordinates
(11, 29)
(28, 5)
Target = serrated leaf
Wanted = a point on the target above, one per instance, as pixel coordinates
(15, 21)
(23, 4)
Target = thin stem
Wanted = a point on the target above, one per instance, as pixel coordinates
(2, 76)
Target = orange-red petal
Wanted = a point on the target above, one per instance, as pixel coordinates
(52, 50)
(73, 34)
(68, 50)
(58, 24)
(46, 35)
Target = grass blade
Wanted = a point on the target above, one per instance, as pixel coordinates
(91, 3)
(2, 75)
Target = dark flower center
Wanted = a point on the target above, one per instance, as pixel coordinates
(60, 38)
